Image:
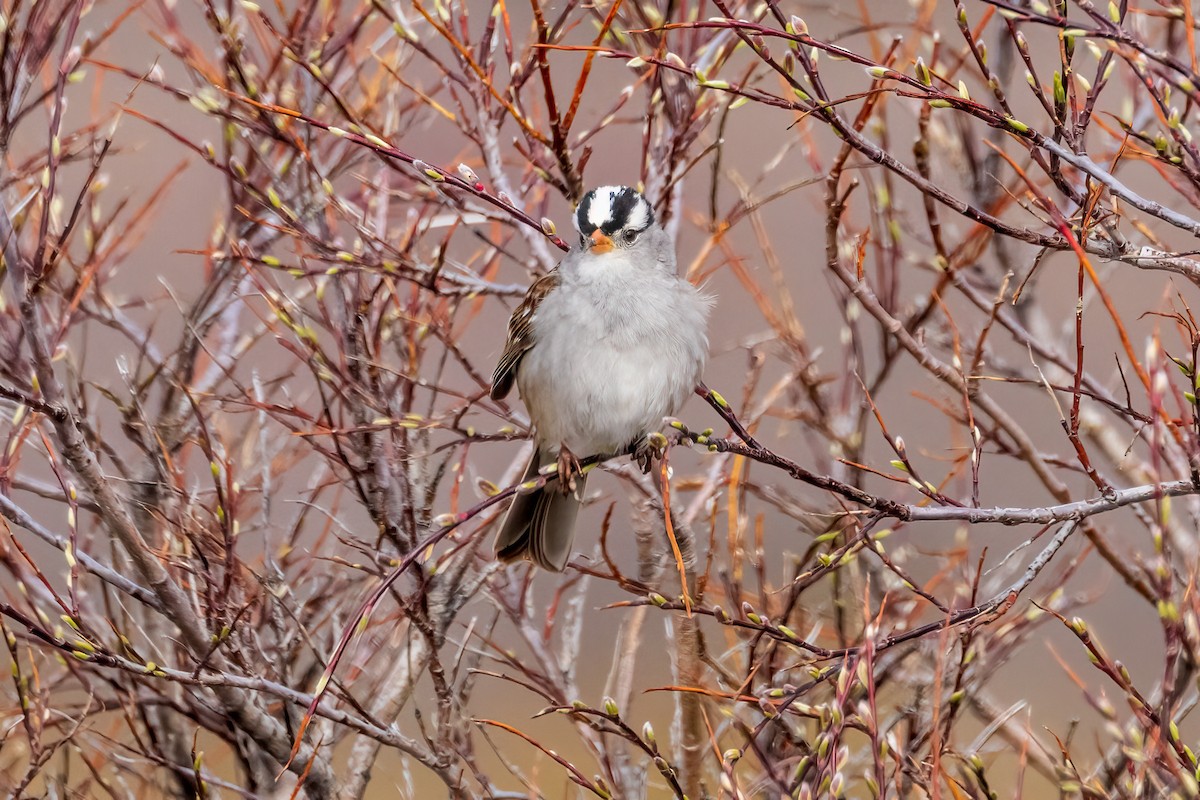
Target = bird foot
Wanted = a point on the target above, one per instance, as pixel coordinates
(649, 448)
(568, 470)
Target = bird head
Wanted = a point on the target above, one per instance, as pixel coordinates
(612, 218)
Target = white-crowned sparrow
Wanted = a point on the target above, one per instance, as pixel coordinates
(602, 348)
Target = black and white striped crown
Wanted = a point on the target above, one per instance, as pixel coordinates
(612, 209)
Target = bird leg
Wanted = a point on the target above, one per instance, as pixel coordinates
(568, 469)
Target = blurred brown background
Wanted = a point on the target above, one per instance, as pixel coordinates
(791, 350)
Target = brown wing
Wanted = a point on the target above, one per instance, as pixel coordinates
(520, 334)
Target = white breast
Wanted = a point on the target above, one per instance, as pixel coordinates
(612, 358)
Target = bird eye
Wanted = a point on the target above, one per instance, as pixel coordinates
(630, 237)
(583, 240)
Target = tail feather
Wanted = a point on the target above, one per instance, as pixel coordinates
(540, 526)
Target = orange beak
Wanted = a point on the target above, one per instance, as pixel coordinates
(600, 242)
